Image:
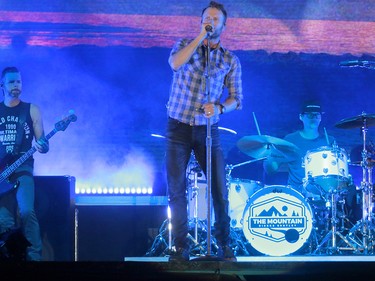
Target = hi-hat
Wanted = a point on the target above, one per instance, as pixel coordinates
(358, 121)
(261, 146)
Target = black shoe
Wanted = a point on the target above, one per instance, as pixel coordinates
(226, 253)
(181, 254)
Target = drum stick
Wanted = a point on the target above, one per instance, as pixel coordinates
(256, 123)
(325, 132)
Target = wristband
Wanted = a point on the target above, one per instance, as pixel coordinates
(222, 108)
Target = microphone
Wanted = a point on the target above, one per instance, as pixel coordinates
(208, 28)
(354, 63)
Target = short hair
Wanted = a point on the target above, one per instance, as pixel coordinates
(218, 6)
(9, 69)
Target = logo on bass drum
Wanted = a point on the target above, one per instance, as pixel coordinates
(278, 219)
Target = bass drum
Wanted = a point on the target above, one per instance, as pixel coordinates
(277, 221)
(240, 191)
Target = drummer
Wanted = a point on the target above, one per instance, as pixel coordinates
(308, 138)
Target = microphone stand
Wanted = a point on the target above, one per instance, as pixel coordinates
(208, 148)
(208, 155)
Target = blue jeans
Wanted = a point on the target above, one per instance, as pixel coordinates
(182, 139)
(21, 201)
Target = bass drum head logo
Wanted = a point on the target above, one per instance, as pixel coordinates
(277, 220)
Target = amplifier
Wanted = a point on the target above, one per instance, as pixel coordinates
(55, 212)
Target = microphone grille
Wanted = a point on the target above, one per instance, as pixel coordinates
(208, 28)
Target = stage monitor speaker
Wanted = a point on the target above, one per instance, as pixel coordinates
(55, 212)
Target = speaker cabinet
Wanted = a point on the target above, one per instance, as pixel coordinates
(55, 212)
(111, 233)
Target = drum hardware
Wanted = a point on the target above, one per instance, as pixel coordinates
(229, 168)
(239, 243)
(193, 185)
(362, 234)
(311, 186)
(199, 226)
(333, 245)
(326, 175)
(197, 248)
(160, 246)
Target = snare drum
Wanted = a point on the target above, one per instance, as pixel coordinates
(277, 220)
(239, 192)
(326, 167)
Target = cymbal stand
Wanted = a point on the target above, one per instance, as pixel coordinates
(161, 246)
(230, 167)
(363, 232)
(193, 173)
(333, 234)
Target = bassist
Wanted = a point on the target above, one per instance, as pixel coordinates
(20, 124)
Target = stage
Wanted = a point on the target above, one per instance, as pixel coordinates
(158, 268)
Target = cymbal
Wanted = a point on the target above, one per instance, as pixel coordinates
(357, 121)
(261, 146)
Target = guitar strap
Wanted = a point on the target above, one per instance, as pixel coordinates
(17, 147)
(20, 131)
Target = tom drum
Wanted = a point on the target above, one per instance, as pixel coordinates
(326, 167)
(239, 192)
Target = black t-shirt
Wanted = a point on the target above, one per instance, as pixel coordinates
(16, 131)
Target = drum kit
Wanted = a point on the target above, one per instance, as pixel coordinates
(278, 220)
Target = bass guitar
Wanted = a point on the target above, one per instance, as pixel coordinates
(5, 184)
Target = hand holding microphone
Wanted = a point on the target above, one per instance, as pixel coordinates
(209, 30)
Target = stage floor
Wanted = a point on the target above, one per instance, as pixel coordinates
(290, 268)
(266, 268)
(265, 259)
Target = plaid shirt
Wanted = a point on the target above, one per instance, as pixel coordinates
(188, 90)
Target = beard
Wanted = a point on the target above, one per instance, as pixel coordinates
(214, 36)
(217, 33)
(15, 93)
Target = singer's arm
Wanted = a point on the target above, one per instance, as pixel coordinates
(181, 57)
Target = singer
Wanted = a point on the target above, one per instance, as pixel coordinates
(188, 109)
